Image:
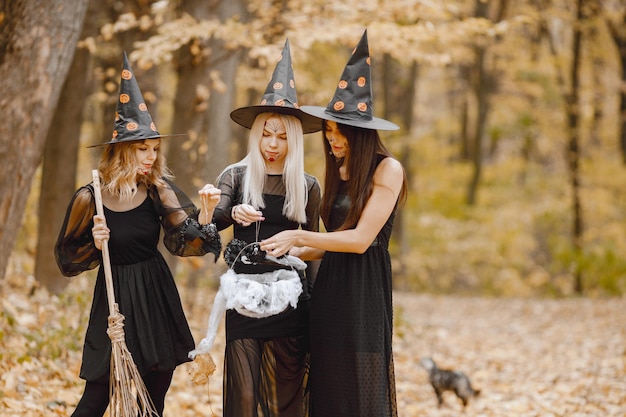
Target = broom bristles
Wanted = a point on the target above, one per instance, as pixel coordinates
(129, 397)
(128, 394)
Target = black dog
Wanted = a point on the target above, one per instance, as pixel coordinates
(447, 380)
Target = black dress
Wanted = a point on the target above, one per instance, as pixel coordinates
(155, 327)
(352, 372)
(265, 355)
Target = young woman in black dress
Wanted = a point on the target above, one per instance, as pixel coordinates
(267, 192)
(140, 200)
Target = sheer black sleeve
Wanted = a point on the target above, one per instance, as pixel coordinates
(183, 235)
(230, 183)
(75, 251)
(313, 204)
(312, 223)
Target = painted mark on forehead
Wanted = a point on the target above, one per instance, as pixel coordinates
(274, 125)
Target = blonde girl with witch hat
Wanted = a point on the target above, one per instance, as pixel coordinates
(265, 299)
(352, 372)
(140, 200)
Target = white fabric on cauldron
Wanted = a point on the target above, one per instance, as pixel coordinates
(253, 295)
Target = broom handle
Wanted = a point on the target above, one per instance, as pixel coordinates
(106, 261)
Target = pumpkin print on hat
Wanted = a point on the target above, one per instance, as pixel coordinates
(279, 97)
(352, 103)
(132, 118)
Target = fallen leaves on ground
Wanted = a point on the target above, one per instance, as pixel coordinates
(529, 357)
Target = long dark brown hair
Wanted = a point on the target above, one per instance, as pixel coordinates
(365, 148)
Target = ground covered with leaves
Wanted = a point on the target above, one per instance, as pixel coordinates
(529, 357)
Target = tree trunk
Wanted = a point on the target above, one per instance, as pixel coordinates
(483, 86)
(598, 66)
(570, 93)
(37, 46)
(480, 92)
(190, 109)
(622, 102)
(190, 117)
(573, 148)
(58, 179)
(202, 109)
(407, 117)
(479, 86)
(618, 33)
(221, 103)
(464, 114)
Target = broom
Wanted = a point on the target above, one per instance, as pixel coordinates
(127, 393)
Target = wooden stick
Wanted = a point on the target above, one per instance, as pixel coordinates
(106, 260)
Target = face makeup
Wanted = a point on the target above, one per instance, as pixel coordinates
(273, 144)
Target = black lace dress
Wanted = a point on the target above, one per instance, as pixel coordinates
(352, 372)
(265, 357)
(155, 327)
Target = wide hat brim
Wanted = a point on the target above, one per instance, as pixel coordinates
(374, 123)
(135, 139)
(245, 116)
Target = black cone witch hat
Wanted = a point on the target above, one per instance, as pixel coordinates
(279, 97)
(132, 119)
(352, 103)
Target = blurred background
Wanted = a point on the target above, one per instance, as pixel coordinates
(512, 115)
(508, 256)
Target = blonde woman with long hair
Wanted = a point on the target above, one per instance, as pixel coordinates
(266, 192)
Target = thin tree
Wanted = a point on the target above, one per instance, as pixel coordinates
(598, 64)
(407, 116)
(573, 148)
(205, 92)
(570, 94)
(483, 88)
(616, 22)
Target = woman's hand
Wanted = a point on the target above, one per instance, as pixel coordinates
(210, 196)
(297, 251)
(245, 214)
(280, 243)
(100, 231)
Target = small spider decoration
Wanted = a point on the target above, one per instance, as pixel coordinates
(247, 253)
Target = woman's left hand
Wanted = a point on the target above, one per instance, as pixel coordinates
(210, 196)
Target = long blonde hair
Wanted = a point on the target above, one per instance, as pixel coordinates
(293, 171)
(118, 169)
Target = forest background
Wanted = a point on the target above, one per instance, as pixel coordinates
(513, 120)
(512, 115)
